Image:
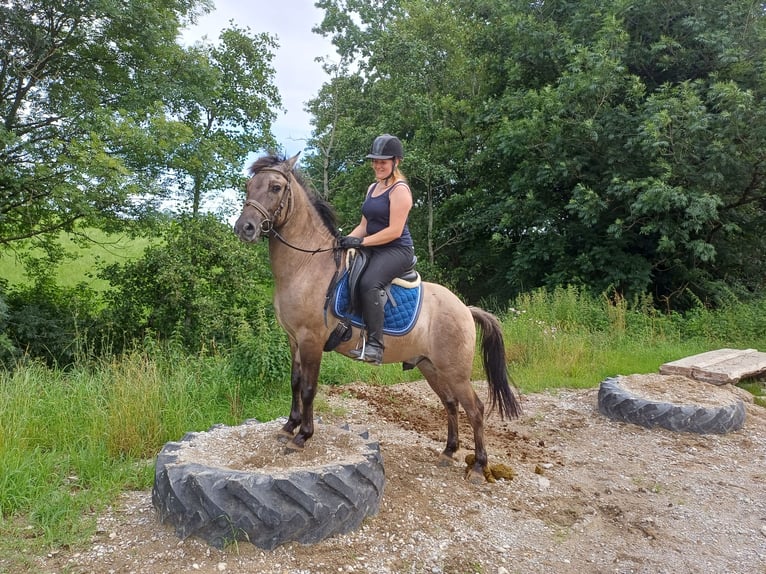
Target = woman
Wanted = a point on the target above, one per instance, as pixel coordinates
(383, 232)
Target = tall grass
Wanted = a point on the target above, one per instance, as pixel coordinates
(568, 338)
(70, 440)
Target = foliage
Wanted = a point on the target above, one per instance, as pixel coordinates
(260, 356)
(78, 79)
(225, 106)
(195, 287)
(51, 323)
(7, 348)
(607, 144)
(104, 114)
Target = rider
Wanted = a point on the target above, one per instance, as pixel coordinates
(383, 232)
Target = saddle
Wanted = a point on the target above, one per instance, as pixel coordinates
(404, 299)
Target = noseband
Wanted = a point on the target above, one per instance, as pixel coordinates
(269, 223)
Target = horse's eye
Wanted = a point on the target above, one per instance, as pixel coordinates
(275, 188)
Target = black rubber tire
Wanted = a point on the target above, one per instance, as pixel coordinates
(621, 405)
(222, 505)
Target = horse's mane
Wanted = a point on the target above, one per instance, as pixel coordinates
(322, 207)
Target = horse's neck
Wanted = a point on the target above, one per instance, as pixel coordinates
(293, 268)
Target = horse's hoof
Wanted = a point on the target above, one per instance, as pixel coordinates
(291, 447)
(475, 477)
(283, 436)
(445, 461)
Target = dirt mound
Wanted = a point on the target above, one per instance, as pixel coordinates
(590, 495)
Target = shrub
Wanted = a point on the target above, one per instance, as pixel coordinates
(50, 322)
(194, 287)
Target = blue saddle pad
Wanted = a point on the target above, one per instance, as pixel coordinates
(397, 320)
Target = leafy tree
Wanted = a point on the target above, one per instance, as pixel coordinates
(225, 104)
(104, 114)
(627, 177)
(411, 82)
(603, 143)
(81, 91)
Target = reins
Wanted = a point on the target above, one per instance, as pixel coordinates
(269, 224)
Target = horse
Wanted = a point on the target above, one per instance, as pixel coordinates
(304, 255)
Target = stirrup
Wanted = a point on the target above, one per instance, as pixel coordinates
(368, 353)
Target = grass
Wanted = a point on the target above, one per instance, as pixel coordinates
(71, 440)
(82, 260)
(566, 338)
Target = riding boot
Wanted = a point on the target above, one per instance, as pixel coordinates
(373, 305)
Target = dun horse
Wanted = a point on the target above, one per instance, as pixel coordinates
(302, 236)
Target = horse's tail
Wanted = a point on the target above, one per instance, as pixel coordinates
(493, 353)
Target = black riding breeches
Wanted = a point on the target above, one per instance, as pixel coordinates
(385, 264)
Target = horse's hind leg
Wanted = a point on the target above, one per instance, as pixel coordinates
(474, 410)
(453, 389)
(446, 458)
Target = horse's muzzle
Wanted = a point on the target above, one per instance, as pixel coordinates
(247, 230)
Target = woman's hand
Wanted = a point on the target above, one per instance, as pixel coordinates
(349, 242)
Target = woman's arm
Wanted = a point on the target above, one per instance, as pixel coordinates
(360, 230)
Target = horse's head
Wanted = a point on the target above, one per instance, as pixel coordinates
(267, 199)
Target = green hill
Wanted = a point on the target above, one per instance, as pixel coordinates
(83, 261)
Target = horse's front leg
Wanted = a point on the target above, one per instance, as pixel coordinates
(311, 360)
(295, 405)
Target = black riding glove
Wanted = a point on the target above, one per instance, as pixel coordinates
(349, 241)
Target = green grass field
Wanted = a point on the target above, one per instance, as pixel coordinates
(83, 260)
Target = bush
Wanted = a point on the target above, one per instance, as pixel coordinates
(50, 322)
(8, 351)
(193, 288)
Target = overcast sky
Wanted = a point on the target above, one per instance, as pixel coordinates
(298, 76)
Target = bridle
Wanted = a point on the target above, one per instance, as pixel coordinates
(269, 220)
(270, 225)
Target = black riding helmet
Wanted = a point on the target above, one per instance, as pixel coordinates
(386, 147)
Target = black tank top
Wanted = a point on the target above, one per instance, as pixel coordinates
(377, 212)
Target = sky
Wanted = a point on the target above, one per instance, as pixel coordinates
(298, 77)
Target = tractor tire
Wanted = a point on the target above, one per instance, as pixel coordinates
(617, 403)
(268, 507)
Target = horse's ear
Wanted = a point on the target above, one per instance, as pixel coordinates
(292, 161)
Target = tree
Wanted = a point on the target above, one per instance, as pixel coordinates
(225, 103)
(602, 143)
(414, 79)
(104, 114)
(636, 169)
(81, 91)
